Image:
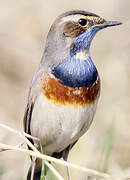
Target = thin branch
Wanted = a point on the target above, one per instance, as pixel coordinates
(23, 134)
(36, 153)
(49, 165)
(90, 172)
(53, 170)
(18, 132)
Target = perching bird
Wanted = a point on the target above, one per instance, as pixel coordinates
(65, 89)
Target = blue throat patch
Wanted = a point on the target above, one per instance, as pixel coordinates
(83, 41)
(75, 72)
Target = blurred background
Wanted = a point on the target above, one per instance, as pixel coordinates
(23, 29)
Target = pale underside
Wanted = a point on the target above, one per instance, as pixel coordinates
(57, 125)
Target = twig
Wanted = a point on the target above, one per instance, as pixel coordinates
(18, 132)
(54, 170)
(23, 134)
(36, 153)
(49, 165)
(90, 172)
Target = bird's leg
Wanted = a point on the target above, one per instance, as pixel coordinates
(67, 173)
(45, 171)
(33, 169)
(65, 157)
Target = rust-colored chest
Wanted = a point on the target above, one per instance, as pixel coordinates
(61, 94)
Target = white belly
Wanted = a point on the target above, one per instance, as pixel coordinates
(57, 125)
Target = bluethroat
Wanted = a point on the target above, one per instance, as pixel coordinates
(65, 88)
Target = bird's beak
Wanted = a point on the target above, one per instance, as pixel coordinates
(106, 24)
(110, 23)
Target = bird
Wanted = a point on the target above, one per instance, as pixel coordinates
(65, 88)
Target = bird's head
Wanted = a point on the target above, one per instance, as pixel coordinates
(69, 39)
(73, 31)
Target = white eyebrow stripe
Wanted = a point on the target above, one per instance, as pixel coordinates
(72, 18)
(76, 17)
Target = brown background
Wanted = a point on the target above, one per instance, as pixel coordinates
(23, 29)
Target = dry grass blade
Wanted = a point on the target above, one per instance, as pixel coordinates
(18, 132)
(36, 153)
(24, 135)
(61, 162)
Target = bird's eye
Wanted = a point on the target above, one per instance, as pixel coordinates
(82, 22)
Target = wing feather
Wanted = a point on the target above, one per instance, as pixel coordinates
(27, 117)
